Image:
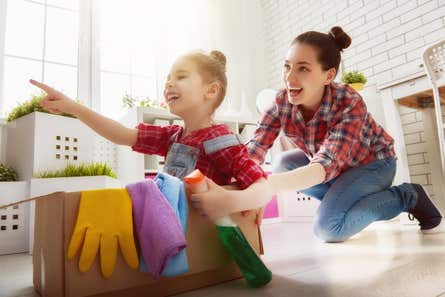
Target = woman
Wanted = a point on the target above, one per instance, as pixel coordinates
(345, 159)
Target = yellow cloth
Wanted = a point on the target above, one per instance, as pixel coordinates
(104, 219)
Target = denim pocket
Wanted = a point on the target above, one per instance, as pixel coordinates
(177, 171)
(181, 160)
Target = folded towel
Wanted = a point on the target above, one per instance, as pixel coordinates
(173, 190)
(158, 229)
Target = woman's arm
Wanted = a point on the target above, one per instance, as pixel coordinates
(57, 102)
(298, 179)
(267, 130)
(218, 202)
(260, 193)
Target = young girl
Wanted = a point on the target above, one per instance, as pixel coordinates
(194, 89)
(345, 159)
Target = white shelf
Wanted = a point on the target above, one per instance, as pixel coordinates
(150, 114)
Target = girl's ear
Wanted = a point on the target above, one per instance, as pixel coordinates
(213, 90)
(330, 77)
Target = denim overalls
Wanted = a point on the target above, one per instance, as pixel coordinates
(181, 159)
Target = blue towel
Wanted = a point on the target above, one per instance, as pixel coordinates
(173, 190)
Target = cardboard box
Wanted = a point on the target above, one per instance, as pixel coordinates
(55, 276)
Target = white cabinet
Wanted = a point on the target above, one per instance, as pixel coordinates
(297, 207)
(14, 220)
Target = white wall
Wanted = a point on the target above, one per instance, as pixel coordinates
(234, 27)
(416, 147)
(239, 35)
(388, 36)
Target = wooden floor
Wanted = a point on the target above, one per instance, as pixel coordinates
(386, 259)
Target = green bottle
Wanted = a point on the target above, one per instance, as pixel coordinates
(253, 269)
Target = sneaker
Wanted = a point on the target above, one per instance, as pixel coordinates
(425, 212)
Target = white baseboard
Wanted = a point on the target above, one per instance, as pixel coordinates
(272, 220)
(298, 219)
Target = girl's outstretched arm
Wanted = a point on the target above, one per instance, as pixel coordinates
(57, 102)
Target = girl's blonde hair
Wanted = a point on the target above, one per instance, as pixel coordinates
(212, 67)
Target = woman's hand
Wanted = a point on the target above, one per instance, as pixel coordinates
(259, 214)
(55, 101)
(215, 203)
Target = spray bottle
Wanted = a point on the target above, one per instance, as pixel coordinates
(253, 269)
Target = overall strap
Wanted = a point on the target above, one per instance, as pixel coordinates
(220, 142)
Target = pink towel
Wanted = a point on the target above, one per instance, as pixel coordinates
(157, 227)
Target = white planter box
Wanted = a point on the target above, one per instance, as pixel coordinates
(14, 221)
(44, 186)
(297, 207)
(105, 151)
(40, 141)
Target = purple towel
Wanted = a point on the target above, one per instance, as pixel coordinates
(157, 227)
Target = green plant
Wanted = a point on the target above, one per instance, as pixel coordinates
(7, 173)
(353, 77)
(129, 102)
(146, 102)
(91, 169)
(28, 107)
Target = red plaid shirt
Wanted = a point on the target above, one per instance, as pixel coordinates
(220, 166)
(341, 134)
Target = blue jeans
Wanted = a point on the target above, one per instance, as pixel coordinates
(355, 198)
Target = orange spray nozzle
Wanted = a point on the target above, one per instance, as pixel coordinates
(195, 177)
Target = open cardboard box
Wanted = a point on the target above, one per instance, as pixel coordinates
(55, 276)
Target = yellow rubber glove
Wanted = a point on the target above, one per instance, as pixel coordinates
(104, 219)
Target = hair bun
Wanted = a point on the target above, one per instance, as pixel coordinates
(342, 40)
(219, 56)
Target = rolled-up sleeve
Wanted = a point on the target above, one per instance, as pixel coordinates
(265, 134)
(154, 139)
(234, 161)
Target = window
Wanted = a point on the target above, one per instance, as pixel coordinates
(139, 40)
(41, 42)
(96, 50)
(127, 58)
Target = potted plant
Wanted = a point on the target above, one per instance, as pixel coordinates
(355, 79)
(14, 224)
(7, 174)
(27, 107)
(129, 102)
(37, 140)
(74, 177)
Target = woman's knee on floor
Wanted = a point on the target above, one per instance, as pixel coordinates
(329, 229)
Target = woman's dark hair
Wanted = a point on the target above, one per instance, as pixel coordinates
(329, 46)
